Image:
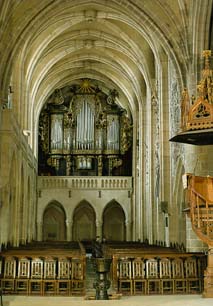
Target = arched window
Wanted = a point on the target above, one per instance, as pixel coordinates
(84, 222)
(114, 222)
(54, 227)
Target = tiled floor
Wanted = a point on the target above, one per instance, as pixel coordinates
(174, 300)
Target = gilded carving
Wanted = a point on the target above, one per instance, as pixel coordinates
(80, 125)
(126, 133)
(199, 114)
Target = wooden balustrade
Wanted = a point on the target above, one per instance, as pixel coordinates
(202, 215)
(200, 210)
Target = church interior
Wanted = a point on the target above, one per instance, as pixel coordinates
(106, 148)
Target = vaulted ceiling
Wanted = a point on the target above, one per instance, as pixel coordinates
(49, 44)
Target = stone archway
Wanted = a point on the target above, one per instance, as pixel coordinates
(114, 222)
(54, 226)
(84, 227)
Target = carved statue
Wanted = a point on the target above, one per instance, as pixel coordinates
(112, 96)
(126, 134)
(57, 97)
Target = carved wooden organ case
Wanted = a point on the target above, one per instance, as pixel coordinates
(83, 131)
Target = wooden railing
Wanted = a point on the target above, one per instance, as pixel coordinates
(201, 214)
(200, 201)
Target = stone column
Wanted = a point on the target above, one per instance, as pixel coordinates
(99, 229)
(69, 230)
(39, 230)
(128, 230)
(100, 166)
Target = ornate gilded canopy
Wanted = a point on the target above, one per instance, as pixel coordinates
(197, 114)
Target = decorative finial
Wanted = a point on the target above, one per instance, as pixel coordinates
(198, 116)
(205, 87)
(206, 54)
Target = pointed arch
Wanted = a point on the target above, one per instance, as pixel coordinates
(54, 222)
(84, 217)
(114, 222)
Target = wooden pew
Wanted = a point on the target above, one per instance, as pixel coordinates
(44, 276)
(130, 252)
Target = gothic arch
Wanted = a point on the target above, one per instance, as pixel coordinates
(84, 217)
(54, 222)
(114, 222)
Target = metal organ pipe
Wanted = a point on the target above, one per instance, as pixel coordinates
(82, 123)
(85, 127)
(116, 134)
(56, 132)
(113, 135)
(91, 130)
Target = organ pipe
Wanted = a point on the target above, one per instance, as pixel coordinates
(85, 128)
(56, 131)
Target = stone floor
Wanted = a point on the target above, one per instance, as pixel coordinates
(165, 300)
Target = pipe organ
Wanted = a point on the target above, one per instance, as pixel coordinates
(83, 131)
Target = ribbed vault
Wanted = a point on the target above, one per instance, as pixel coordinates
(118, 43)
